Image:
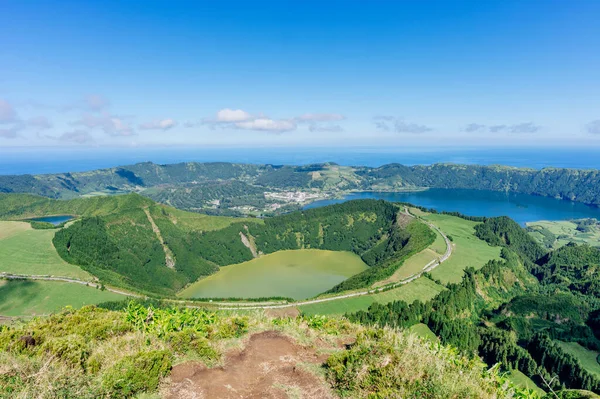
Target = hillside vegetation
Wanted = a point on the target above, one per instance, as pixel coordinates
(514, 311)
(93, 352)
(132, 242)
(196, 186)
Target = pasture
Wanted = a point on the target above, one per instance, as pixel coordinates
(521, 380)
(423, 331)
(411, 266)
(31, 298)
(191, 221)
(587, 358)
(469, 251)
(24, 250)
(555, 234)
(297, 274)
(422, 289)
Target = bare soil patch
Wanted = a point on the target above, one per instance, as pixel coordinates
(282, 313)
(271, 366)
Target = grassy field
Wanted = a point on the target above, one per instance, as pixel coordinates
(469, 251)
(410, 266)
(191, 221)
(29, 298)
(439, 245)
(24, 250)
(422, 289)
(521, 380)
(295, 274)
(587, 358)
(423, 331)
(554, 235)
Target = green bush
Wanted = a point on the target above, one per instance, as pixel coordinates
(186, 341)
(72, 349)
(136, 373)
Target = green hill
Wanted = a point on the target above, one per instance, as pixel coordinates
(140, 350)
(132, 242)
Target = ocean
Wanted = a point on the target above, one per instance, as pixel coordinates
(40, 161)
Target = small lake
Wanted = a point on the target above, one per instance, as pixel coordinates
(55, 220)
(298, 274)
(522, 208)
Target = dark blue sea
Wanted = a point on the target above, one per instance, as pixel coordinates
(39, 161)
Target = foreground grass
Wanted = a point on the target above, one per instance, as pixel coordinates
(422, 289)
(93, 353)
(24, 250)
(30, 298)
(469, 251)
(588, 359)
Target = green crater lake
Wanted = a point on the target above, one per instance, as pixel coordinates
(297, 274)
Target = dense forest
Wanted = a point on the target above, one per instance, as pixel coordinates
(515, 311)
(115, 238)
(166, 182)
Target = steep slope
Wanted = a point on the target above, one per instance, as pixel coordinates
(173, 353)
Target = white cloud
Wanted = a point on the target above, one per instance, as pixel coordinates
(232, 115)
(269, 125)
(320, 118)
(593, 127)
(11, 132)
(7, 112)
(326, 128)
(96, 102)
(39, 122)
(164, 124)
(389, 123)
(77, 136)
(112, 125)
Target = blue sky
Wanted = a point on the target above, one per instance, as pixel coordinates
(284, 73)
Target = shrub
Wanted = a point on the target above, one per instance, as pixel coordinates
(188, 341)
(72, 349)
(136, 373)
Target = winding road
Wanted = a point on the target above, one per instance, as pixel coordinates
(236, 306)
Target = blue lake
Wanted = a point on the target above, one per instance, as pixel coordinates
(520, 207)
(55, 220)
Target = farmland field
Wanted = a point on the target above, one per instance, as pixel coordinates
(469, 251)
(29, 298)
(295, 274)
(422, 289)
(24, 250)
(587, 358)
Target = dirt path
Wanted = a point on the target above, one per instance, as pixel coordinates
(169, 257)
(269, 367)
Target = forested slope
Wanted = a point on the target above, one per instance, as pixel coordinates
(514, 311)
